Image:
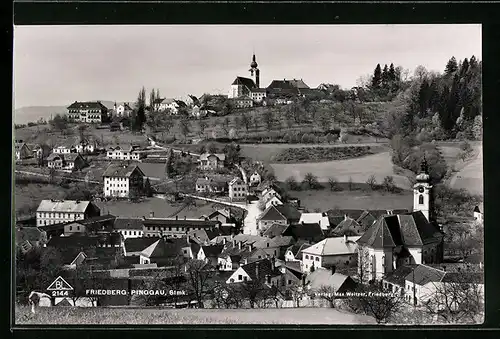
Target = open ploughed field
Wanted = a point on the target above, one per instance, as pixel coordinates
(134, 316)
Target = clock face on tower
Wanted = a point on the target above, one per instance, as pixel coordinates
(421, 189)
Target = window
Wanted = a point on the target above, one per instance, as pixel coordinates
(77, 228)
(71, 228)
(307, 257)
(289, 282)
(244, 278)
(421, 199)
(316, 258)
(240, 277)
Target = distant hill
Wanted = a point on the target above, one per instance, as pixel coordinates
(27, 114)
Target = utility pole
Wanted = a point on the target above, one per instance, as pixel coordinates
(414, 292)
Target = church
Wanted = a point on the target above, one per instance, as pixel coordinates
(245, 89)
(402, 239)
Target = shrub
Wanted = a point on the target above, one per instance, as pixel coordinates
(388, 183)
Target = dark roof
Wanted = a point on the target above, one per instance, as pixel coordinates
(306, 231)
(423, 274)
(335, 220)
(139, 244)
(75, 241)
(181, 222)
(244, 81)
(97, 219)
(272, 213)
(195, 248)
(28, 233)
(348, 227)
(297, 249)
(263, 267)
(128, 224)
(398, 276)
(476, 209)
(353, 213)
(213, 250)
(87, 105)
(117, 170)
(464, 277)
(275, 230)
(291, 213)
(281, 84)
(411, 229)
(165, 248)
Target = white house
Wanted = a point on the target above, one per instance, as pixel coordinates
(270, 192)
(315, 218)
(123, 181)
(85, 146)
(260, 270)
(63, 149)
(52, 211)
(338, 252)
(122, 152)
(255, 178)
(129, 227)
(123, 109)
(273, 202)
(172, 105)
(238, 189)
(478, 215)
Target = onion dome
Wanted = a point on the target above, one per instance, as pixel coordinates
(253, 64)
(424, 172)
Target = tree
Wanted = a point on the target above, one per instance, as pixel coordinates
(388, 183)
(198, 276)
(377, 77)
(246, 120)
(254, 291)
(477, 127)
(202, 125)
(292, 184)
(268, 119)
(148, 190)
(372, 182)
(333, 184)
(451, 66)
(140, 110)
(59, 122)
(459, 299)
(327, 292)
(232, 152)
(350, 184)
(185, 127)
(225, 126)
(324, 120)
(385, 77)
(311, 180)
(376, 302)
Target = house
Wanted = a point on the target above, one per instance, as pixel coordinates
(134, 246)
(85, 146)
(397, 240)
(172, 105)
(294, 253)
(57, 211)
(238, 189)
(210, 254)
(87, 112)
(211, 185)
(273, 201)
(175, 227)
(315, 218)
(478, 215)
(242, 102)
(269, 192)
(262, 270)
(64, 149)
(228, 215)
(255, 178)
(329, 278)
(258, 94)
(74, 228)
(123, 152)
(197, 112)
(240, 87)
(66, 162)
(40, 151)
(349, 227)
(156, 104)
(307, 232)
(191, 100)
(28, 238)
(421, 284)
(163, 252)
(395, 281)
(123, 181)
(338, 252)
(100, 224)
(275, 230)
(22, 150)
(129, 227)
(279, 214)
(212, 161)
(123, 109)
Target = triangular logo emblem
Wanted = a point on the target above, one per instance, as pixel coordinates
(60, 285)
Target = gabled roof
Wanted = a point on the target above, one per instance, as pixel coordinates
(213, 250)
(163, 248)
(476, 209)
(123, 171)
(68, 206)
(318, 218)
(261, 267)
(297, 249)
(275, 230)
(64, 156)
(272, 213)
(128, 224)
(399, 275)
(220, 156)
(87, 105)
(28, 233)
(244, 81)
(423, 274)
(324, 277)
(334, 246)
(122, 147)
(306, 231)
(180, 222)
(290, 212)
(139, 244)
(379, 234)
(348, 226)
(236, 180)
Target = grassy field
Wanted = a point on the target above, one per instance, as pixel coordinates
(90, 316)
(325, 199)
(359, 170)
(470, 176)
(159, 207)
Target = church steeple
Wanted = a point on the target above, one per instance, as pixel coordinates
(422, 192)
(254, 70)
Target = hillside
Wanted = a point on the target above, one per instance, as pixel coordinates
(23, 115)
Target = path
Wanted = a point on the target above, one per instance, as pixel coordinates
(57, 176)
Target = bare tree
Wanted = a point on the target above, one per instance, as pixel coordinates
(327, 292)
(199, 274)
(254, 291)
(333, 183)
(311, 180)
(202, 125)
(372, 182)
(246, 120)
(458, 298)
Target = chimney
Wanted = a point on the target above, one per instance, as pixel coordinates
(273, 263)
(176, 217)
(257, 270)
(345, 239)
(302, 222)
(184, 217)
(234, 243)
(239, 245)
(444, 268)
(333, 269)
(303, 280)
(345, 216)
(250, 247)
(151, 214)
(223, 241)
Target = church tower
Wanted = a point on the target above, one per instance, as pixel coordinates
(254, 72)
(422, 192)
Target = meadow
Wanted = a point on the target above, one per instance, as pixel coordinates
(158, 316)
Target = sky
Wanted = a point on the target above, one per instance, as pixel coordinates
(57, 65)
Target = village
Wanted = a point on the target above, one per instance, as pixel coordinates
(226, 233)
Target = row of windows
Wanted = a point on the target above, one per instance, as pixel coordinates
(77, 227)
(116, 179)
(116, 191)
(132, 232)
(57, 215)
(177, 229)
(116, 185)
(312, 257)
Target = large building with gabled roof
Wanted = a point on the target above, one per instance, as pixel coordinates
(123, 181)
(87, 112)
